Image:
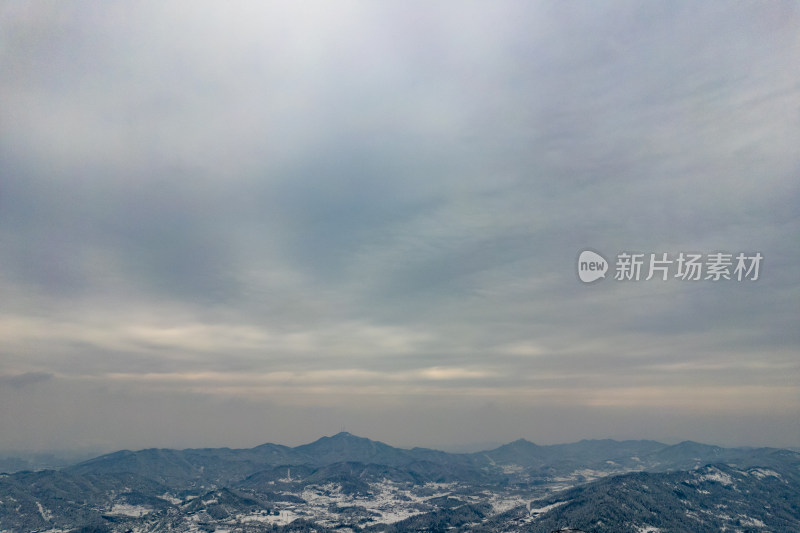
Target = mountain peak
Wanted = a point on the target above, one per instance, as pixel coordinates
(519, 444)
(690, 444)
(345, 446)
(343, 438)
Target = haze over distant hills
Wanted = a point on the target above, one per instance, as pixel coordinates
(357, 484)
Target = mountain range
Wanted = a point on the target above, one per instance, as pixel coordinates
(357, 484)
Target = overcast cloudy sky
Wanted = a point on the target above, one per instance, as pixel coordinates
(228, 224)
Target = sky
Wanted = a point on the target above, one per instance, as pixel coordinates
(229, 224)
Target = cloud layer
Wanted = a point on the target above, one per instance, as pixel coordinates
(229, 226)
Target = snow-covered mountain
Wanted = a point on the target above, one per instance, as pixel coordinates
(357, 484)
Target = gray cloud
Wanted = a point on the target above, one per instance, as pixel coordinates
(381, 206)
(24, 380)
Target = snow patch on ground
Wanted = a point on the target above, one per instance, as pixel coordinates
(541, 510)
(761, 473)
(512, 469)
(501, 503)
(282, 518)
(124, 509)
(754, 522)
(717, 476)
(171, 499)
(47, 515)
(388, 503)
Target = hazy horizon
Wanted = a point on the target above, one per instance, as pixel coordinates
(79, 455)
(230, 225)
